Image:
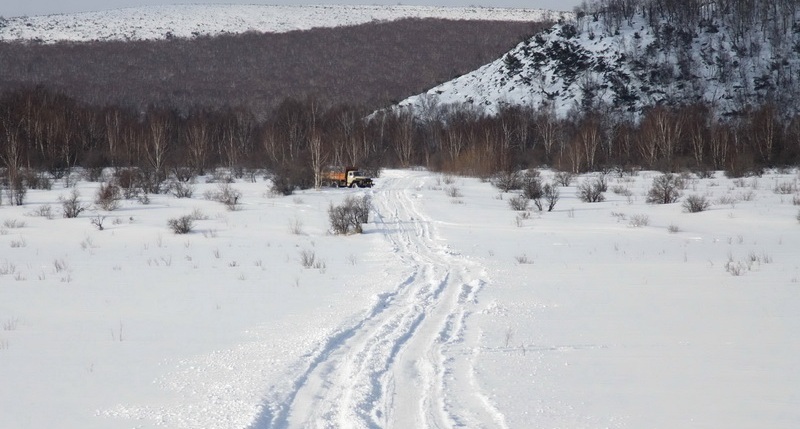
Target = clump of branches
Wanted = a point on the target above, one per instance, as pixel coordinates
(108, 196)
(16, 191)
(72, 205)
(507, 181)
(696, 204)
(286, 179)
(348, 217)
(181, 225)
(181, 189)
(519, 203)
(666, 189)
(225, 194)
(551, 196)
(591, 190)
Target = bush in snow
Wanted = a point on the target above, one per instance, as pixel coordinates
(181, 225)
(696, 204)
(551, 195)
(507, 181)
(349, 217)
(226, 195)
(72, 205)
(591, 191)
(519, 203)
(665, 190)
(532, 185)
(181, 189)
(564, 178)
(108, 196)
(17, 191)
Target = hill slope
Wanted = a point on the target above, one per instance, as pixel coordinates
(367, 64)
(721, 58)
(186, 21)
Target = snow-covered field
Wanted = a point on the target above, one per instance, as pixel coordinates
(160, 22)
(449, 311)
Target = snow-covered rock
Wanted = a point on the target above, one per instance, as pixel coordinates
(588, 63)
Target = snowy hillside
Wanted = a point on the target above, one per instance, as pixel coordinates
(159, 22)
(634, 63)
(450, 311)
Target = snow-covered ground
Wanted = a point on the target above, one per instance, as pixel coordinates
(160, 22)
(451, 310)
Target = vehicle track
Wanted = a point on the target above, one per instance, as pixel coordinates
(396, 368)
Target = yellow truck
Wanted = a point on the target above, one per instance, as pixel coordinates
(348, 177)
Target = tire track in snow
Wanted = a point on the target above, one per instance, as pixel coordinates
(392, 369)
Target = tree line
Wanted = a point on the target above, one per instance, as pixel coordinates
(46, 132)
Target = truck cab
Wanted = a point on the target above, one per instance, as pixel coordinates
(356, 179)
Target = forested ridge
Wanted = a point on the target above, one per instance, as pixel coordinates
(372, 65)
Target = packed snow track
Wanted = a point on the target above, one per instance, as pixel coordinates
(408, 362)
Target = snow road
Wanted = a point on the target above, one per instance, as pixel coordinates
(409, 361)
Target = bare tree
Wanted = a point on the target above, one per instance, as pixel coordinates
(198, 136)
(157, 142)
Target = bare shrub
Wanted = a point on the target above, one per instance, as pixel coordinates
(696, 204)
(601, 182)
(308, 259)
(747, 196)
(183, 174)
(16, 191)
(349, 217)
(520, 219)
(37, 180)
(181, 189)
(453, 192)
(551, 195)
(507, 181)
(198, 214)
(639, 221)
(286, 179)
(519, 203)
(108, 196)
(621, 190)
(13, 223)
(363, 206)
(128, 179)
(725, 200)
(785, 188)
(673, 229)
(523, 259)
(798, 216)
(44, 211)
(665, 189)
(564, 178)
(531, 184)
(735, 268)
(796, 200)
(72, 205)
(591, 191)
(181, 225)
(226, 195)
(296, 226)
(97, 221)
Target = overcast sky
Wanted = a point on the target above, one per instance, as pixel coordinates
(10, 8)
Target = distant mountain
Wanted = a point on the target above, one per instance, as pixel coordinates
(727, 54)
(187, 21)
